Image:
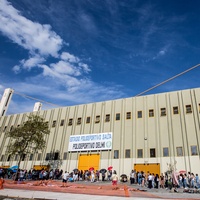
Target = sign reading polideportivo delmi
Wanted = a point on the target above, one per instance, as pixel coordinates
(87, 142)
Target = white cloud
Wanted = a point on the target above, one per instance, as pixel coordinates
(69, 57)
(16, 69)
(162, 52)
(66, 68)
(85, 67)
(50, 91)
(64, 80)
(28, 64)
(30, 35)
(63, 75)
(32, 62)
(41, 42)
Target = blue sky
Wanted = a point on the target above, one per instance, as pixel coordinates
(80, 51)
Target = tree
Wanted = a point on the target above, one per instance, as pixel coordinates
(28, 137)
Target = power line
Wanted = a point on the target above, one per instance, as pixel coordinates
(26, 96)
(168, 80)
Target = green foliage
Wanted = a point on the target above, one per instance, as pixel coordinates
(29, 137)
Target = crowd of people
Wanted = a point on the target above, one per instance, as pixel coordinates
(75, 175)
(167, 180)
(149, 180)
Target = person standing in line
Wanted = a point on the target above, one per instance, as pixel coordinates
(150, 179)
(184, 181)
(162, 181)
(156, 180)
(197, 181)
(188, 179)
(139, 177)
(132, 177)
(192, 179)
(114, 180)
(64, 179)
(81, 175)
(51, 174)
(143, 179)
(92, 176)
(153, 182)
(103, 175)
(97, 175)
(21, 175)
(109, 175)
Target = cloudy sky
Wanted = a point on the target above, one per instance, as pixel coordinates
(80, 51)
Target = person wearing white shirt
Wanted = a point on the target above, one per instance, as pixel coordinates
(65, 176)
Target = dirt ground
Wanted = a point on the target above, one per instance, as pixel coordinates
(99, 188)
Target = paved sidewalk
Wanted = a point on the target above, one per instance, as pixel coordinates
(58, 196)
(62, 196)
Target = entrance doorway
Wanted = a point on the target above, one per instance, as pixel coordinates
(148, 168)
(87, 161)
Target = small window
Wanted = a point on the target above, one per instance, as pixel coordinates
(47, 156)
(163, 112)
(5, 128)
(165, 152)
(11, 128)
(31, 157)
(70, 122)
(23, 157)
(56, 156)
(175, 110)
(139, 114)
(151, 113)
(140, 153)
(39, 156)
(88, 120)
(2, 158)
(127, 153)
(188, 109)
(79, 121)
(179, 151)
(152, 153)
(128, 115)
(65, 156)
(107, 118)
(8, 159)
(16, 157)
(116, 154)
(117, 116)
(54, 123)
(62, 122)
(97, 119)
(194, 150)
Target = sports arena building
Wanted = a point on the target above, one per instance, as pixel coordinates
(144, 133)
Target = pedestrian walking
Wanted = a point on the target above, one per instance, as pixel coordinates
(114, 180)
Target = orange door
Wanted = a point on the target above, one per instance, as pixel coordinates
(87, 161)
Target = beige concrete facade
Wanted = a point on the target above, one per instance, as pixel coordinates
(147, 126)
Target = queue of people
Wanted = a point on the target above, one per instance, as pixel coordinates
(165, 181)
(148, 180)
(75, 175)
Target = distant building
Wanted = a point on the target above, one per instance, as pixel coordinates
(37, 106)
(5, 101)
(144, 133)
